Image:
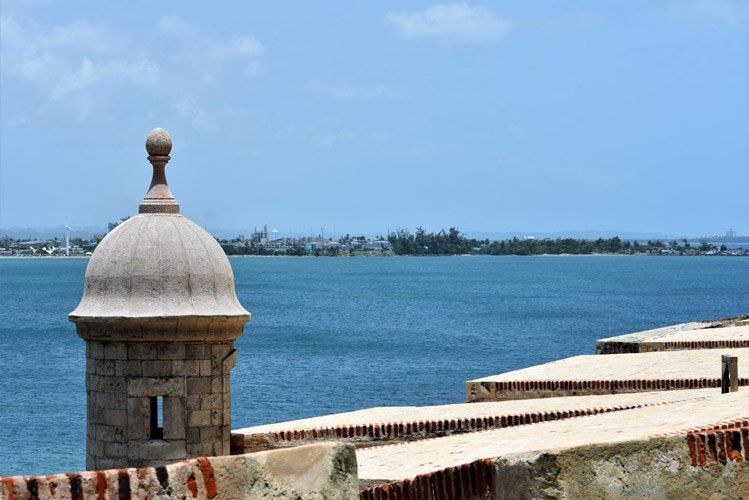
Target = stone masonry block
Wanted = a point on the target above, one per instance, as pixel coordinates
(109, 400)
(105, 464)
(220, 351)
(210, 401)
(171, 351)
(199, 418)
(156, 450)
(95, 350)
(199, 385)
(190, 367)
(193, 402)
(142, 351)
(118, 450)
(95, 414)
(193, 435)
(104, 367)
(174, 417)
(107, 384)
(109, 433)
(129, 368)
(115, 417)
(138, 412)
(206, 368)
(157, 368)
(198, 351)
(210, 434)
(220, 384)
(115, 351)
(172, 386)
(217, 417)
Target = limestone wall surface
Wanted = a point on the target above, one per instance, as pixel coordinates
(404, 461)
(320, 471)
(121, 378)
(710, 464)
(717, 334)
(610, 374)
(383, 425)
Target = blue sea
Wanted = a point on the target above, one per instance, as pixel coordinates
(338, 334)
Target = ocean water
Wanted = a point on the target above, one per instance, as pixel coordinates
(338, 334)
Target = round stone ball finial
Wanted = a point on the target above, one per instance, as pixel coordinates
(159, 142)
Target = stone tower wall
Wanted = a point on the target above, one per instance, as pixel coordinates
(121, 378)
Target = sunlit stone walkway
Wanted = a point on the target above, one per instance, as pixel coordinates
(703, 335)
(406, 423)
(406, 460)
(610, 374)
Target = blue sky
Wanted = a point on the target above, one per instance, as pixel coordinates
(364, 116)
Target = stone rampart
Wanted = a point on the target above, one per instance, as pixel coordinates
(610, 374)
(385, 425)
(309, 472)
(705, 464)
(719, 334)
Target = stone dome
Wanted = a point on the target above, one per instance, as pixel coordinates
(160, 275)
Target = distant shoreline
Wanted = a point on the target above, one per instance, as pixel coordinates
(58, 257)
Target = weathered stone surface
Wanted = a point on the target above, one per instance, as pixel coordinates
(610, 374)
(409, 423)
(159, 314)
(652, 452)
(313, 472)
(719, 334)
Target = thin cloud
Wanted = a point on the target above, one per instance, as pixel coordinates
(714, 12)
(201, 48)
(74, 68)
(452, 24)
(355, 92)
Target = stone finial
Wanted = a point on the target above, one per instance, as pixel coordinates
(159, 198)
(159, 142)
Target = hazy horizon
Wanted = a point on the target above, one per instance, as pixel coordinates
(529, 116)
(333, 232)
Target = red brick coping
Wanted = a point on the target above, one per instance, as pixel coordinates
(618, 347)
(605, 386)
(471, 480)
(188, 479)
(715, 444)
(423, 429)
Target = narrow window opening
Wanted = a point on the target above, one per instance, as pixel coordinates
(157, 417)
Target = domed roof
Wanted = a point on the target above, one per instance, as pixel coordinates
(159, 271)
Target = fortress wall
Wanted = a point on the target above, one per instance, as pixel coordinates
(387, 425)
(391, 432)
(316, 471)
(702, 464)
(719, 334)
(623, 347)
(610, 374)
(532, 389)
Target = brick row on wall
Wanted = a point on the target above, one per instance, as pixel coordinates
(420, 429)
(676, 345)
(523, 389)
(703, 344)
(472, 480)
(715, 445)
(719, 446)
(190, 479)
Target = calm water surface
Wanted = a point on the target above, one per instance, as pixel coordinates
(333, 335)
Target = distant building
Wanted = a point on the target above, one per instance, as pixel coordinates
(730, 233)
(260, 236)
